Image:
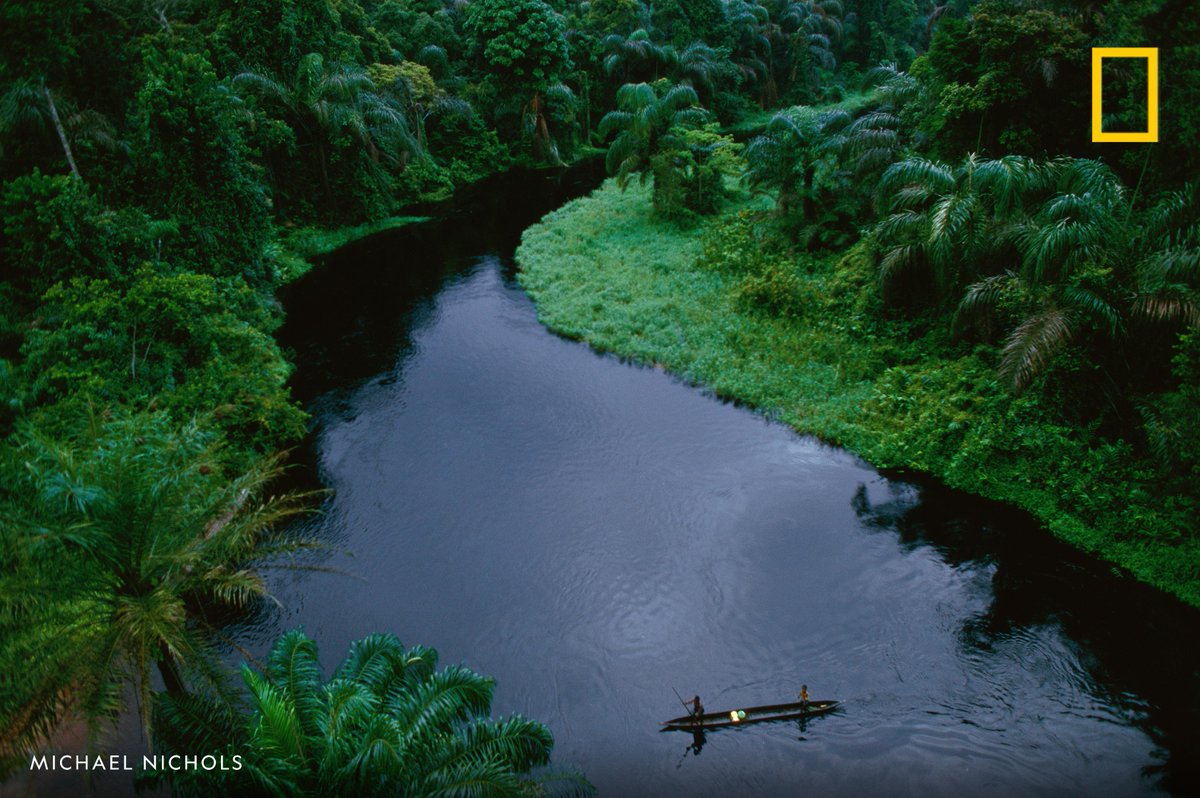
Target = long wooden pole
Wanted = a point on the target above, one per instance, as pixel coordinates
(685, 704)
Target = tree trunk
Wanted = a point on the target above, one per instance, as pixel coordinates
(62, 134)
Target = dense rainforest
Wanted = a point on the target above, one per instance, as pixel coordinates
(917, 250)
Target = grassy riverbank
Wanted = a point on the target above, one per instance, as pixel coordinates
(802, 339)
(312, 242)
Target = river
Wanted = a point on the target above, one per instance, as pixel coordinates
(596, 534)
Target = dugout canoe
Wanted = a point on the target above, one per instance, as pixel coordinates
(720, 720)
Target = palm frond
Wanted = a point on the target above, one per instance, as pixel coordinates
(372, 660)
(950, 223)
(905, 223)
(453, 695)
(984, 295)
(899, 261)
(1171, 305)
(277, 732)
(294, 667)
(518, 743)
(188, 722)
(1033, 344)
(1093, 306)
(933, 176)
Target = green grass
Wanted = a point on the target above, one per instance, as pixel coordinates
(311, 242)
(804, 340)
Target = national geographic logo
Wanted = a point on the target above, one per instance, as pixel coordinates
(1150, 134)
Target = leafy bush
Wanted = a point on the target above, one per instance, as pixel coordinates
(690, 170)
(184, 340)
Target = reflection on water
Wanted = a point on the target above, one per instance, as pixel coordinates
(595, 535)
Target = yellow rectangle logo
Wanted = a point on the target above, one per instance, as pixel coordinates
(1151, 56)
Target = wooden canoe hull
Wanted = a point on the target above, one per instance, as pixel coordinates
(768, 712)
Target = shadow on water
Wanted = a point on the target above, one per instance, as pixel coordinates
(1122, 632)
(366, 319)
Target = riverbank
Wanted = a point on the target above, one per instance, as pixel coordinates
(797, 338)
(312, 242)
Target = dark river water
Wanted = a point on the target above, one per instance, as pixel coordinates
(596, 534)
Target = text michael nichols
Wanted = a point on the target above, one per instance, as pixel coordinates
(122, 762)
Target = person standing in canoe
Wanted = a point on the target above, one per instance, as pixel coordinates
(804, 696)
(697, 708)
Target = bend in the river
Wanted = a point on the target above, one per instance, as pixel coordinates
(594, 534)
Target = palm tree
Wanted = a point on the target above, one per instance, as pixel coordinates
(28, 105)
(150, 546)
(387, 723)
(1169, 272)
(636, 57)
(785, 159)
(872, 141)
(323, 102)
(949, 220)
(642, 117)
(814, 29)
(555, 99)
(415, 92)
(1057, 220)
(749, 23)
(701, 67)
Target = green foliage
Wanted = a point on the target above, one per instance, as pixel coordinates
(645, 113)
(1012, 77)
(785, 159)
(1173, 419)
(522, 42)
(130, 538)
(684, 22)
(192, 163)
(275, 35)
(806, 340)
(336, 110)
(637, 57)
(613, 16)
(523, 48)
(1042, 247)
(386, 723)
(887, 30)
(40, 38)
(471, 149)
(184, 340)
(55, 228)
(148, 149)
(309, 242)
(690, 170)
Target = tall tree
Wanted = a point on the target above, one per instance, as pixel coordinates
(636, 57)
(786, 158)
(644, 114)
(40, 39)
(523, 46)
